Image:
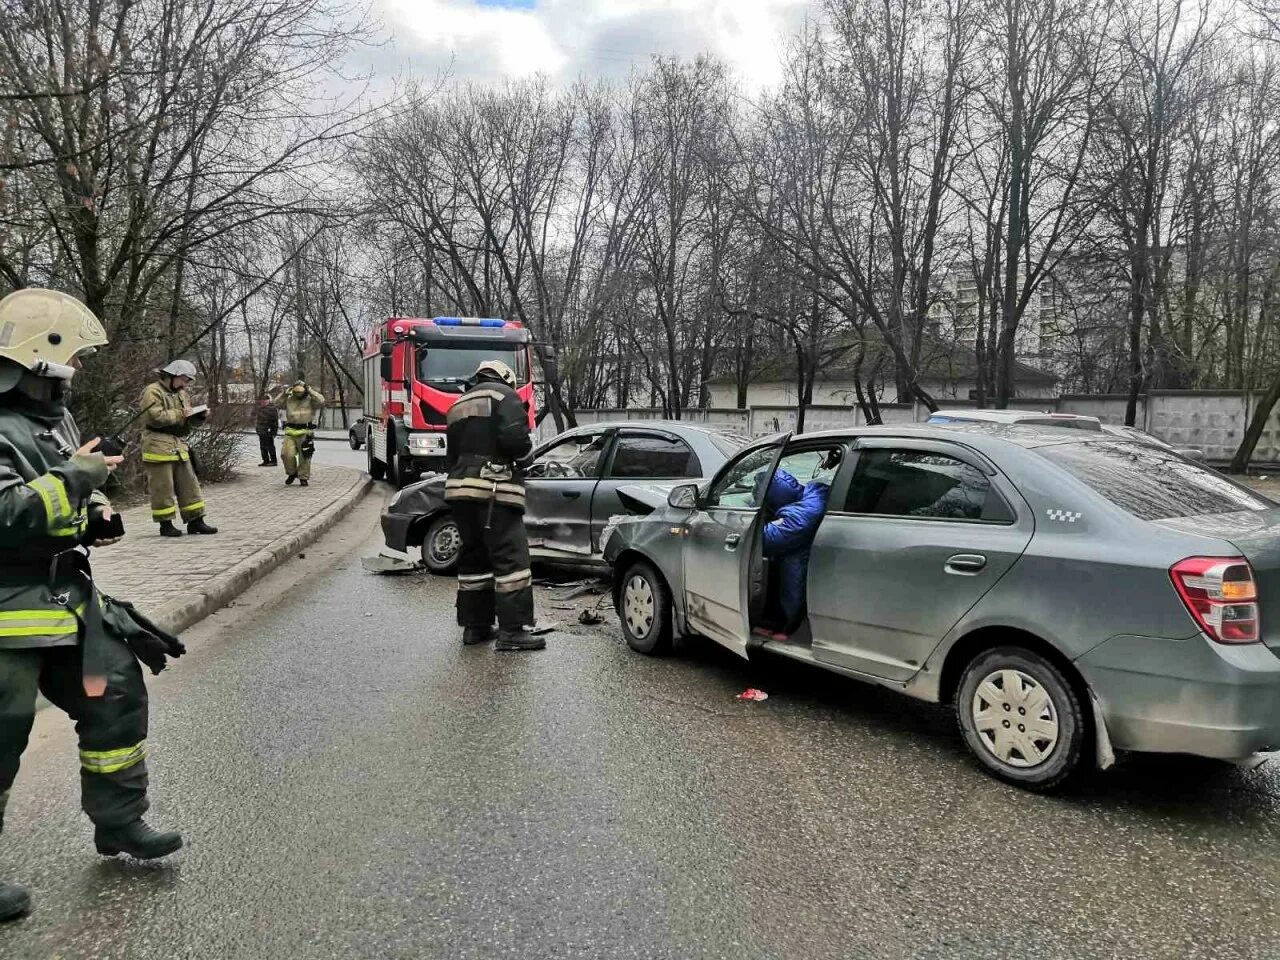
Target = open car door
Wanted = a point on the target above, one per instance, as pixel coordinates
(719, 552)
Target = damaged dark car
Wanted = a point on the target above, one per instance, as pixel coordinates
(578, 485)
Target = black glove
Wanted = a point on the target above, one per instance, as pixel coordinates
(154, 651)
(151, 645)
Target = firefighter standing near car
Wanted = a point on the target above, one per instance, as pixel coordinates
(58, 635)
(302, 406)
(488, 436)
(166, 456)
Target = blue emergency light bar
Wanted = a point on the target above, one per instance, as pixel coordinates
(468, 322)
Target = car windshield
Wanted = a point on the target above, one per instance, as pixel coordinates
(1152, 483)
(456, 365)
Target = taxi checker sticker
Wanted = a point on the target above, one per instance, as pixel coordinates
(1064, 516)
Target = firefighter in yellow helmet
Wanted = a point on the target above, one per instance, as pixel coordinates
(58, 634)
(167, 419)
(302, 406)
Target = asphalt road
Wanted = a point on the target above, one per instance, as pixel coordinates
(353, 783)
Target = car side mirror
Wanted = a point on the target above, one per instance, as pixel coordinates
(684, 497)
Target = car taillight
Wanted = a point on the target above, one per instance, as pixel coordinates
(1221, 595)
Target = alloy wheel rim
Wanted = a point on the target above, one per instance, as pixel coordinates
(1016, 719)
(445, 543)
(638, 606)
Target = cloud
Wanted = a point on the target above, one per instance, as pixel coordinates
(488, 40)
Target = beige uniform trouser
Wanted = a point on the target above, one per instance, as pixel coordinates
(168, 478)
(295, 464)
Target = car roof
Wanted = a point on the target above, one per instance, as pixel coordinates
(981, 433)
(1013, 416)
(675, 426)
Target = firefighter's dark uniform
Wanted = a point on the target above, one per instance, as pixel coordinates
(488, 434)
(55, 629)
(58, 634)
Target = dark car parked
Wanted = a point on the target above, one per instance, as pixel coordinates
(572, 486)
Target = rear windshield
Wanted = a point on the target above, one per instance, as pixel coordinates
(1065, 424)
(1151, 483)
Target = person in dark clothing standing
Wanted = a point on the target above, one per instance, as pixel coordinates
(268, 427)
(488, 436)
(59, 634)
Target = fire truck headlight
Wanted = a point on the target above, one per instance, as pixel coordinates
(426, 444)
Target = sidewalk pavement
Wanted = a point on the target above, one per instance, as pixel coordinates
(261, 523)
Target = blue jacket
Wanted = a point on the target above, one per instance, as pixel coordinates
(796, 513)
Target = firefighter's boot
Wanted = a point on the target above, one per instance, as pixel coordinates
(474, 635)
(199, 526)
(137, 840)
(288, 480)
(167, 529)
(518, 640)
(14, 901)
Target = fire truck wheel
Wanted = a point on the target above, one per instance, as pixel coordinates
(377, 469)
(441, 545)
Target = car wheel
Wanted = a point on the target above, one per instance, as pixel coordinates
(353, 439)
(441, 545)
(644, 607)
(377, 469)
(1021, 718)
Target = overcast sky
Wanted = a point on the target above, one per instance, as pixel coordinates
(491, 39)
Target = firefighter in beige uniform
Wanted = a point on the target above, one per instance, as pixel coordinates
(166, 458)
(302, 407)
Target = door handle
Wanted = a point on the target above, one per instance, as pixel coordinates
(732, 540)
(571, 494)
(966, 564)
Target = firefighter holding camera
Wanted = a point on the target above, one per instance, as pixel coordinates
(59, 635)
(302, 406)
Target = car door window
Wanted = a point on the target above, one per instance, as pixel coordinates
(653, 457)
(573, 458)
(737, 486)
(923, 484)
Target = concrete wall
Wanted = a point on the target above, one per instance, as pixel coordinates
(838, 393)
(1213, 421)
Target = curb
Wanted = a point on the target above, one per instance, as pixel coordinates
(217, 592)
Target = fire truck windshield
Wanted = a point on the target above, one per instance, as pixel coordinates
(452, 366)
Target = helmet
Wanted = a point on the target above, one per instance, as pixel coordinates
(499, 370)
(179, 368)
(42, 331)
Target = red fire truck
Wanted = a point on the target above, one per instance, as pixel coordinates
(414, 370)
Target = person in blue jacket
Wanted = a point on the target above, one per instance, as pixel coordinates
(794, 512)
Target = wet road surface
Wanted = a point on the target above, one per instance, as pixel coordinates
(353, 783)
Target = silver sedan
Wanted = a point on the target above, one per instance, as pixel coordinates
(1072, 593)
(571, 489)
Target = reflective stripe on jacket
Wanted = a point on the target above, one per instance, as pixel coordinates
(45, 495)
(488, 434)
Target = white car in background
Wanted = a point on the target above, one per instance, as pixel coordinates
(1068, 421)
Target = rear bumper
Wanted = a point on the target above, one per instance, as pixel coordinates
(395, 530)
(1186, 696)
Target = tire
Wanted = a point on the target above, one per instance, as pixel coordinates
(644, 607)
(442, 532)
(353, 439)
(377, 469)
(398, 474)
(984, 709)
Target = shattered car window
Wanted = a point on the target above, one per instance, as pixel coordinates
(1151, 483)
(737, 488)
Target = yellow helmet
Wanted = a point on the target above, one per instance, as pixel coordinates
(42, 331)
